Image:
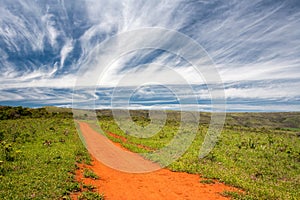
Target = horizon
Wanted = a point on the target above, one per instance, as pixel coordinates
(141, 109)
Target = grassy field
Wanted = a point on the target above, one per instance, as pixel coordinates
(264, 161)
(257, 152)
(38, 156)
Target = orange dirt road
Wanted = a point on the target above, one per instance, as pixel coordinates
(161, 184)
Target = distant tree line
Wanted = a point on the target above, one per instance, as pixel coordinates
(19, 112)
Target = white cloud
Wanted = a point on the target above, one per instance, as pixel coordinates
(248, 41)
(66, 49)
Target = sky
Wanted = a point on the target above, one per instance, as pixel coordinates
(141, 54)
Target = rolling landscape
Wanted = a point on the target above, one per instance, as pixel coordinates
(151, 100)
(42, 155)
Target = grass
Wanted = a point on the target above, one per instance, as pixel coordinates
(264, 162)
(207, 181)
(234, 195)
(90, 196)
(89, 187)
(38, 158)
(259, 153)
(87, 173)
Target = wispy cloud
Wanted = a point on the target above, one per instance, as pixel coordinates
(254, 44)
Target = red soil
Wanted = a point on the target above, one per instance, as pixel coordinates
(160, 184)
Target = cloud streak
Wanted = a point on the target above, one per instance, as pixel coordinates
(255, 46)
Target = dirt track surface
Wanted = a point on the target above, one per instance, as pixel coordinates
(160, 184)
(114, 156)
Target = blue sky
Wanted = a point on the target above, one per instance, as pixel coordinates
(255, 46)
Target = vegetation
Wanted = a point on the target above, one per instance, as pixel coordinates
(8, 112)
(207, 181)
(87, 173)
(264, 161)
(38, 154)
(275, 120)
(91, 196)
(257, 152)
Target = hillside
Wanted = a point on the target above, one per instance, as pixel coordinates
(271, 120)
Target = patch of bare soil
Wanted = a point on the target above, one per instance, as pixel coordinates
(159, 184)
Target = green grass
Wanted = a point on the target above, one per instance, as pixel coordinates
(207, 181)
(38, 158)
(90, 196)
(87, 173)
(264, 162)
(89, 187)
(257, 152)
(234, 195)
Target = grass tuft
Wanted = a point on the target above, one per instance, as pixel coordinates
(87, 173)
(207, 181)
(90, 196)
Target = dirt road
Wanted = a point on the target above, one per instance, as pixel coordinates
(160, 184)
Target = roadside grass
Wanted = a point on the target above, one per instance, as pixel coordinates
(90, 196)
(38, 158)
(88, 173)
(207, 181)
(234, 195)
(263, 162)
(89, 187)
